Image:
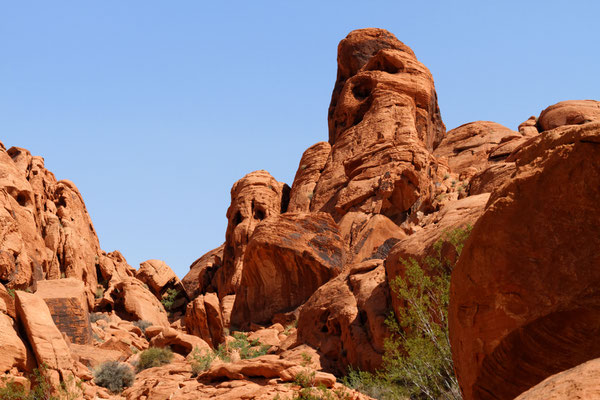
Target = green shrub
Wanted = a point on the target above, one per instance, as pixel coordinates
(168, 300)
(417, 360)
(202, 360)
(114, 376)
(11, 292)
(142, 325)
(99, 292)
(154, 357)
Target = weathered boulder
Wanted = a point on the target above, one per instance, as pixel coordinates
(344, 318)
(44, 337)
(14, 353)
(202, 271)
(132, 301)
(368, 236)
(164, 284)
(179, 342)
(383, 123)
(570, 112)
(288, 257)
(458, 214)
(472, 147)
(67, 302)
(254, 198)
(113, 266)
(525, 292)
(311, 165)
(203, 318)
(580, 382)
(9, 302)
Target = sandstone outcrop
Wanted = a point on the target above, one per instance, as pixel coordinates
(287, 258)
(14, 352)
(178, 341)
(202, 272)
(254, 198)
(527, 280)
(344, 318)
(383, 123)
(132, 301)
(309, 170)
(204, 319)
(67, 302)
(44, 337)
(576, 383)
(570, 112)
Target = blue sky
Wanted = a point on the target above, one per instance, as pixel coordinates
(155, 108)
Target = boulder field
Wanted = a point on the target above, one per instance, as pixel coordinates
(301, 284)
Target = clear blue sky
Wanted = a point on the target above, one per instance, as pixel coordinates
(155, 108)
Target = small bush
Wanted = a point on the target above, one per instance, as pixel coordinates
(168, 300)
(94, 317)
(99, 292)
(202, 360)
(11, 292)
(114, 376)
(154, 357)
(142, 325)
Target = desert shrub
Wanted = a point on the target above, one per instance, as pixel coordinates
(114, 376)
(201, 360)
(99, 292)
(142, 324)
(168, 300)
(94, 317)
(154, 357)
(41, 388)
(417, 360)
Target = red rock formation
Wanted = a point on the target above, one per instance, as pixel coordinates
(311, 165)
(204, 319)
(524, 294)
(68, 306)
(254, 198)
(570, 112)
(576, 383)
(287, 259)
(202, 271)
(344, 318)
(14, 352)
(383, 121)
(132, 301)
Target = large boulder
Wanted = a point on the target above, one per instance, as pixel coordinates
(132, 301)
(200, 277)
(570, 112)
(288, 257)
(46, 341)
(581, 382)
(204, 319)
(67, 302)
(14, 352)
(383, 122)
(254, 198)
(525, 293)
(345, 318)
(311, 165)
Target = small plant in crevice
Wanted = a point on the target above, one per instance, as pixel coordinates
(114, 376)
(168, 300)
(95, 317)
(154, 357)
(41, 388)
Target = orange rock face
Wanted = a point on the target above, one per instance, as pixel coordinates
(204, 319)
(202, 272)
(570, 112)
(576, 383)
(67, 302)
(288, 257)
(132, 301)
(254, 198)
(44, 337)
(344, 319)
(14, 353)
(383, 121)
(311, 166)
(524, 303)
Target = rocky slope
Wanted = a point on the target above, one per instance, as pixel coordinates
(302, 281)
